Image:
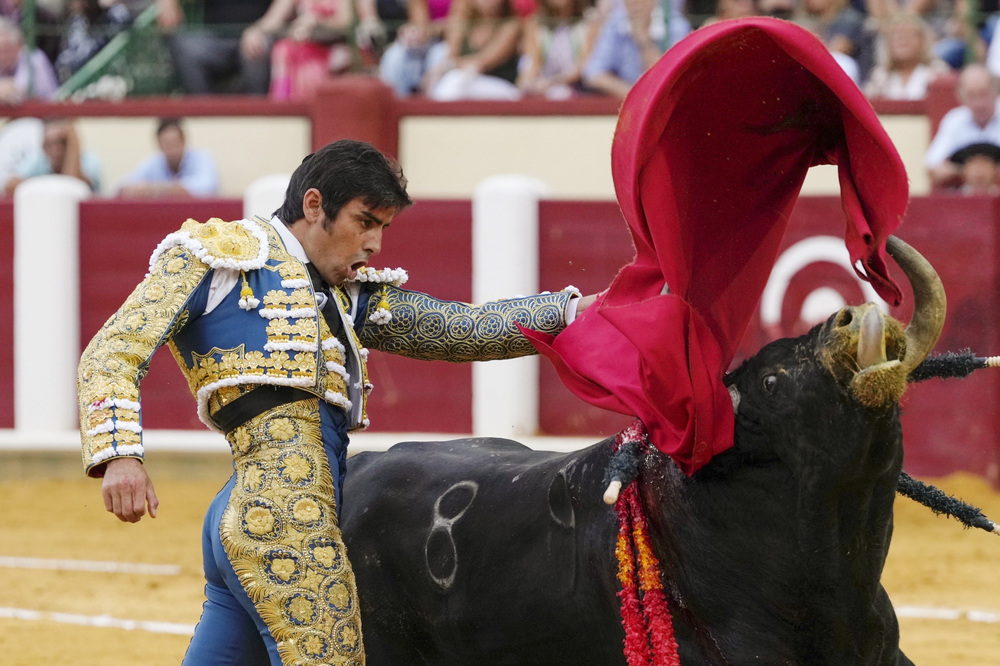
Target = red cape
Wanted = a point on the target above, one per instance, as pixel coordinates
(711, 148)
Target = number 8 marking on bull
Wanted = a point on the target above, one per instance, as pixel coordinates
(440, 552)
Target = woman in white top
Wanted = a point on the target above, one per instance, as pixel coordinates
(906, 63)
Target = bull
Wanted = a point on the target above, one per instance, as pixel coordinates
(482, 551)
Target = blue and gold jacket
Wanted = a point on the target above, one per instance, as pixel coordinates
(268, 330)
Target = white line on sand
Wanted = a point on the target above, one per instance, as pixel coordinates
(104, 621)
(938, 613)
(90, 565)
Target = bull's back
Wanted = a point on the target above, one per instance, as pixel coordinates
(482, 551)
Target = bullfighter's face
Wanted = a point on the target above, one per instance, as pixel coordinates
(338, 248)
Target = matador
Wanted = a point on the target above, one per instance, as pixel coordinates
(271, 322)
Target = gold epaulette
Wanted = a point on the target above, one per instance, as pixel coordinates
(240, 245)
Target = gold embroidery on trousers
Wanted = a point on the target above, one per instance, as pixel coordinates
(281, 535)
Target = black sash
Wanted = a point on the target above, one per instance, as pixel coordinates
(255, 403)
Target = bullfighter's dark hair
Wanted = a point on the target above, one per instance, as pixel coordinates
(343, 171)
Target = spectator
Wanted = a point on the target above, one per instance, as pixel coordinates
(632, 38)
(47, 25)
(220, 54)
(782, 9)
(478, 59)
(18, 139)
(60, 154)
(89, 27)
(976, 121)
(23, 74)
(907, 60)
(993, 52)
(948, 20)
(980, 168)
(841, 28)
(315, 45)
(175, 171)
(732, 9)
(558, 39)
(379, 22)
(405, 63)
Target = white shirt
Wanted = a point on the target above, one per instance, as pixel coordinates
(890, 85)
(958, 130)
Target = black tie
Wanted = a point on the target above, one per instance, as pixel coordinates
(329, 309)
(334, 321)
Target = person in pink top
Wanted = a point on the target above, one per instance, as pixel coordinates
(314, 45)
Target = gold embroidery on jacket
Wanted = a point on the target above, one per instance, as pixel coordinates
(222, 239)
(118, 356)
(281, 535)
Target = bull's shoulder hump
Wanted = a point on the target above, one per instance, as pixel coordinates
(465, 444)
(468, 448)
(486, 451)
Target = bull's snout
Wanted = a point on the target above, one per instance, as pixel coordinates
(881, 352)
(863, 347)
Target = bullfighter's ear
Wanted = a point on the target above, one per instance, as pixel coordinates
(734, 393)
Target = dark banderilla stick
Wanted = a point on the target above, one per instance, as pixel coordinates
(952, 365)
(941, 502)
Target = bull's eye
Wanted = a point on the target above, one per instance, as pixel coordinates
(770, 383)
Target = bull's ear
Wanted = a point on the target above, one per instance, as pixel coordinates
(734, 393)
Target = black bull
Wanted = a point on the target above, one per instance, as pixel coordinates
(482, 551)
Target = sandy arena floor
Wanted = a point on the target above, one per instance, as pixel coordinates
(54, 616)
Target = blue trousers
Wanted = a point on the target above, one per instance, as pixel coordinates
(231, 631)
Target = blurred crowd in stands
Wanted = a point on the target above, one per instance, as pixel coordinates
(499, 50)
(473, 49)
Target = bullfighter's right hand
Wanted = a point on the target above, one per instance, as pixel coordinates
(128, 490)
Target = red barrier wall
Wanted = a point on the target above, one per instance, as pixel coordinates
(432, 240)
(6, 313)
(948, 425)
(583, 244)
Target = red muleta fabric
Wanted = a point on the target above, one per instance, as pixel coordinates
(711, 149)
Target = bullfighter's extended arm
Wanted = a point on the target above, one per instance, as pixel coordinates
(414, 324)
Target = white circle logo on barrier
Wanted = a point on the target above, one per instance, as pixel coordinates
(821, 302)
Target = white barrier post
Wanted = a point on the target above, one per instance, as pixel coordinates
(265, 195)
(47, 302)
(505, 264)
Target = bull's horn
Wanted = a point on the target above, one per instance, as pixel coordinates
(734, 395)
(929, 302)
(871, 341)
